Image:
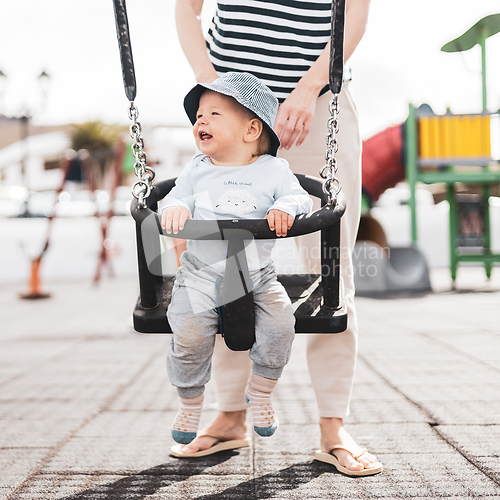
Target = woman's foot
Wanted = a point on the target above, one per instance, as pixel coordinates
(226, 426)
(332, 434)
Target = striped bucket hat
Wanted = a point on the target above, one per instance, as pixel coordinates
(246, 89)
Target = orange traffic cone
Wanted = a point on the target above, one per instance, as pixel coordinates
(35, 291)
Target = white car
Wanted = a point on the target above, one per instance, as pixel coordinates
(13, 201)
(123, 199)
(67, 204)
(81, 203)
(42, 204)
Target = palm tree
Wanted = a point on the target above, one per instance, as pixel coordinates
(98, 139)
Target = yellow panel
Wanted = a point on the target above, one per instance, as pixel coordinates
(474, 136)
(485, 136)
(423, 126)
(453, 136)
(457, 134)
(461, 136)
(434, 137)
(450, 136)
(467, 136)
(445, 122)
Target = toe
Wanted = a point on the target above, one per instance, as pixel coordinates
(369, 461)
(346, 460)
(352, 464)
(201, 443)
(190, 448)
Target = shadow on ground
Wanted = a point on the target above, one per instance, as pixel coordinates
(151, 481)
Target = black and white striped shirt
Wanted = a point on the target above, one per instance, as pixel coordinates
(276, 40)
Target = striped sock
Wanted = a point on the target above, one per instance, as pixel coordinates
(258, 396)
(186, 421)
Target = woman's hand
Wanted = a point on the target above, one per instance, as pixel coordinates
(279, 221)
(173, 219)
(295, 116)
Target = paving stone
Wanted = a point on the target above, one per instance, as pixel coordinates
(151, 390)
(105, 455)
(127, 423)
(88, 487)
(450, 392)
(477, 344)
(130, 455)
(398, 438)
(25, 433)
(365, 374)
(288, 441)
(81, 375)
(20, 356)
(230, 487)
(405, 475)
(494, 364)
(489, 465)
(6, 491)
(17, 463)
(43, 409)
(61, 390)
(378, 438)
(296, 411)
(419, 371)
(410, 365)
(375, 391)
(465, 412)
(385, 410)
(474, 440)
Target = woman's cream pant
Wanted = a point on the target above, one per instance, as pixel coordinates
(331, 358)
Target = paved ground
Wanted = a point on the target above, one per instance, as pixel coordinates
(85, 405)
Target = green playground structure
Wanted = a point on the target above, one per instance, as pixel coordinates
(450, 149)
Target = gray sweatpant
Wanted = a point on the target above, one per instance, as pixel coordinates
(194, 320)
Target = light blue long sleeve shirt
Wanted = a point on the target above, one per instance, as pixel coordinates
(212, 192)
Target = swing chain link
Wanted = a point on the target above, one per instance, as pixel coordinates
(331, 184)
(145, 175)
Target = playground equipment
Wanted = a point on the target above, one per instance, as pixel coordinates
(317, 300)
(378, 268)
(451, 149)
(456, 150)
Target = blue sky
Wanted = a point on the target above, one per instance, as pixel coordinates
(398, 61)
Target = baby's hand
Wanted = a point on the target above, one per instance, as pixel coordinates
(279, 221)
(173, 219)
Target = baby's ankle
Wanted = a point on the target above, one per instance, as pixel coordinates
(185, 425)
(258, 396)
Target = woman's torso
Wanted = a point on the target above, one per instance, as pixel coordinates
(276, 40)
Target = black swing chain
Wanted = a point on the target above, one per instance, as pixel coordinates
(145, 175)
(331, 185)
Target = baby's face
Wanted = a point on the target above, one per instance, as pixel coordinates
(220, 126)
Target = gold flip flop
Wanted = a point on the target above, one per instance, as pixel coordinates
(330, 458)
(220, 445)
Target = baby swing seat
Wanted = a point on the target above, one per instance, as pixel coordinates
(316, 299)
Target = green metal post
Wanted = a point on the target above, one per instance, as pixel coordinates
(450, 195)
(411, 168)
(482, 36)
(488, 265)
